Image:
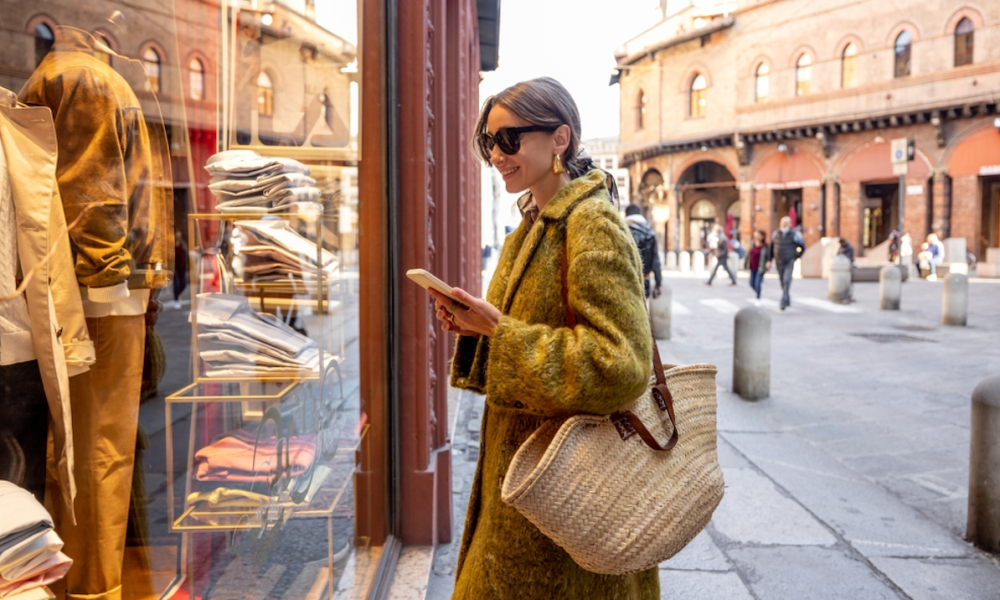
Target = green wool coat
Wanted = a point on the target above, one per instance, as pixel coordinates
(535, 368)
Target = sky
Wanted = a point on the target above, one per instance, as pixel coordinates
(574, 42)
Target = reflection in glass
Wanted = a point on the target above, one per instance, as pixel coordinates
(265, 95)
(196, 73)
(151, 63)
(43, 41)
(762, 83)
(803, 74)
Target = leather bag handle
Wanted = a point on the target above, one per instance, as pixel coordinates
(627, 423)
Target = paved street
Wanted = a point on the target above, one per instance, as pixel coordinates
(850, 481)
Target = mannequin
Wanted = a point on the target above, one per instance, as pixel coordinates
(118, 186)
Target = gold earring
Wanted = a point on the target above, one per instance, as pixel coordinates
(557, 166)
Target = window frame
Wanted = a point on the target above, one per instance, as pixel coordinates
(851, 59)
(196, 76)
(761, 77)
(902, 62)
(43, 41)
(265, 95)
(697, 99)
(154, 82)
(803, 74)
(964, 43)
(640, 110)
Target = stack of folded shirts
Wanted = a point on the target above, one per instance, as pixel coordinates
(235, 341)
(239, 457)
(272, 251)
(30, 554)
(245, 182)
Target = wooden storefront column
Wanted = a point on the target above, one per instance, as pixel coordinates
(438, 207)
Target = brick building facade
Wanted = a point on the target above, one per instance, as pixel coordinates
(759, 108)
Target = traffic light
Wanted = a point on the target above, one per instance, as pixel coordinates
(911, 149)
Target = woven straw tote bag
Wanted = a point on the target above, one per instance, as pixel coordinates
(624, 492)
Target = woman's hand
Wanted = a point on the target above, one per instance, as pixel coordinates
(481, 318)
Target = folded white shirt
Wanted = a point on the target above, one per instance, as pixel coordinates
(277, 232)
(233, 313)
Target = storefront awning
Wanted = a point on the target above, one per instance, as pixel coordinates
(874, 163)
(978, 154)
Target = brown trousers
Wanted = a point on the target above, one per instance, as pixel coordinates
(105, 404)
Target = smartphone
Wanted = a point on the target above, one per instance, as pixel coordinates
(430, 282)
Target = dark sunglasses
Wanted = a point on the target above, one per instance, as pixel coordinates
(508, 139)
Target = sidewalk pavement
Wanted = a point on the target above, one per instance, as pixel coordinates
(851, 480)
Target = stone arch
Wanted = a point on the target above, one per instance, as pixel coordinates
(848, 39)
(965, 12)
(803, 49)
(900, 28)
(693, 71)
(709, 156)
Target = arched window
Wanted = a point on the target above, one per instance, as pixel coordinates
(44, 38)
(265, 95)
(640, 110)
(849, 66)
(762, 82)
(151, 63)
(904, 43)
(803, 74)
(103, 39)
(698, 102)
(196, 81)
(964, 42)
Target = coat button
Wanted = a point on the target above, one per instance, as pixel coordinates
(518, 405)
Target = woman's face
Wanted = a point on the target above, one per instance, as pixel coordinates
(758, 237)
(532, 164)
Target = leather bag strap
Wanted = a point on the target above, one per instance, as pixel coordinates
(624, 421)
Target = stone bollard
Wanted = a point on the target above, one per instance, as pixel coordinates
(685, 262)
(890, 287)
(671, 261)
(955, 303)
(698, 262)
(752, 353)
(983, 525)
(659, 312)
(839, 284)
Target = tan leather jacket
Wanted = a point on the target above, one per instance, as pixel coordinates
(126, 229)
(58, 328)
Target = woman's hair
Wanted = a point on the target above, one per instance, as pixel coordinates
(763, 236)
(544, 101)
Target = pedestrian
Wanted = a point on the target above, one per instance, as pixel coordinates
(517, 348)
(721, 255)
(932, 255)
(180, 280)
(847, 250)
(735, 245)
(759, 261)
(645, 241)
(786, 247)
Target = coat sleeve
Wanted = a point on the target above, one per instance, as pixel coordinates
(657, 267)
(91, 176)
(605, 361)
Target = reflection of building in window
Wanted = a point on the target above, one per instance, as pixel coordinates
(964, 42)
(762, 82)
(103, 39)
(904, 43)
(698, 101)
(640, 110)
(196, 73)
(803, 74)
(44, 39)
(265, 95)
(151, 63)
(849, 66)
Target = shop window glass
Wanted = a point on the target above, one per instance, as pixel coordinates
(640, 110)
(254, 473)
(904, 43)
(849, 66)
(803, 74)
(44, 39)
(698, 101)
(196, 79)
(762, 82)
(265, 95)
(964, 42)
(151, 64)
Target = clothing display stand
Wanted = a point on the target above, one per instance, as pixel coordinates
(309, 403)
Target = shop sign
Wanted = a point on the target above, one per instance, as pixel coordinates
(914, 190)
(989, 170)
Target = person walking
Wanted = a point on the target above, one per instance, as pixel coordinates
(515, 346)
(847, 250)
(721, 255)
(645, 241)
(759, 261)
(786, 247)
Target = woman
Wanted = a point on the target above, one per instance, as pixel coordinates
(759, 261)
(516, 348)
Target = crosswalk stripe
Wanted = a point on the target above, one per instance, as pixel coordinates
(723, 306)
(827, 305)
(679, 309)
